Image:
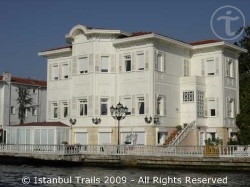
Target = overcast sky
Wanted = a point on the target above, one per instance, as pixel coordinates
(27, 27)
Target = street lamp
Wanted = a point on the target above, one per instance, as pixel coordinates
(96, 120)
(72, 122)
(118, 113)
(149, 119)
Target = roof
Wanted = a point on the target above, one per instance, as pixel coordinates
(42, 124)
(201, 42)
(27, 81)
(53, 49)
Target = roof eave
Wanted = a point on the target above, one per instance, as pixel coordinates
(54, 52)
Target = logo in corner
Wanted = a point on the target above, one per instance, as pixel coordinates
(225, 22)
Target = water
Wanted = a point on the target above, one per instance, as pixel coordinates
(11, 175)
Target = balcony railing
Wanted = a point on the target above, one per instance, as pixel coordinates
(140, 150)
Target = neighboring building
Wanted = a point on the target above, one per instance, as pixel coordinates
(152, 75)
(8, 100)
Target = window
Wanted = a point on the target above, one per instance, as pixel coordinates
(33, 90)
(65, 108)
(65, 71)
(210, 66)
(128, 104)
(104, 106)
(159, 62)
(83, 65)
(188, 96)
(55, 72)
(83, 107)
(26, 112)
(54, 110)
(33, 111)
(212, 107)
(200, 104)
(211, 136)
(161, 138)
(104, 63)
(230, 108)
(141, 109)
(140, 61)
(186, 68)
(12, 110)
(229, 67)
(160, 106)
(127, 63)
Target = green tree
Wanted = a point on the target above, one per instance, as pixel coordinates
(243, 119)
(24, 103)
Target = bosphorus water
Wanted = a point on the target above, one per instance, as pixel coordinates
(26, 175)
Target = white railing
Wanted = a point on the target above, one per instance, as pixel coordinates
(180, 137)
(139, 150)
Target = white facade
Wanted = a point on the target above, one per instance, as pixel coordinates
(9, 95)
(150, 74)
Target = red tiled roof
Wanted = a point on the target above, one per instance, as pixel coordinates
(28, 81)
(42, 124)
(53, 49)
(205, 42)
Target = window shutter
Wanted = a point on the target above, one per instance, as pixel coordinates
(205, 107)
(217, 67)
(49, 109)
(120, 63)
(147, 104)
(203, 67)
(146, 60)
(227, 107)
(97, 105)
(91, 63)
(133, 104)
(74, 107)
(156, 97)
(69, 111)
(50, 71)
(59, 109)
(133, 61)
(164, 62)
(97, 63)
(155, 59)
(217, 107)
(165, 105)
(60, 71)
(74, 65)
(90, 105)
(112, 101)
(234, 69)
(112, 60)
(69, 65)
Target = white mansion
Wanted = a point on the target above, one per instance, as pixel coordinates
(195, 84)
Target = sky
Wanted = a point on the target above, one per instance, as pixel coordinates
(28, 26)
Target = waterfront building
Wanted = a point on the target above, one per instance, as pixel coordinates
(169, 82)
(8, 100)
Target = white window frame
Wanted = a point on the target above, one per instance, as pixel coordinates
(230, 67)
(186, 68)
(105, 65)
(54, 107)
(34, 111)
(65, 70)
(55, 72)
(127, 59)
(140, 59)
(210, 108)
(84, 103)
(13, 110)
(83, 65)
(209, 67)
(188, 96)
(65, 106)
(160, 100)
(141, 100)
(104, 101)
(129, 105)
(230, 102)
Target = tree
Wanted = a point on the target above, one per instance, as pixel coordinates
(243, 119)
(25, 103)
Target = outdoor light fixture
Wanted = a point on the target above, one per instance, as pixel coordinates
(156, 120)
(148, 119)
(96, 120)
(118, 113)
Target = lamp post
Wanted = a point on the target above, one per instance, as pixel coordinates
(72, 122)
(118, 113)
